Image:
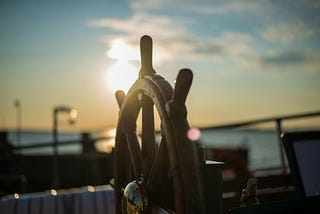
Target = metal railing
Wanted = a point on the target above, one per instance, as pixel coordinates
(278, 122)
(61, 143)
(263, 120)
(86, 142)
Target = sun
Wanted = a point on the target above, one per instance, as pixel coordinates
(122, 74)
(122, 51)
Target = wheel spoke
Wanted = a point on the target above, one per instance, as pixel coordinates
(134, 150)
(148, 136)
(183, 84)
(122, 168)
(120, 97)
(159, 171)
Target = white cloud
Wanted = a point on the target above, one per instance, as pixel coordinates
(173, 41)
(286, 33)
(165, 31)
(140, 23)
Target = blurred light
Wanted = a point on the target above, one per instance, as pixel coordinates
(53, 192)
(193, 134)
(90, 188)
(73, 113)
(16, 196)
(111, 132)
(105, 145)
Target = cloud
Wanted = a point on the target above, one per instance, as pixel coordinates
(173, 41)
(203, 6)
(168, 34)
(286, 58)
(279, 61)
(286, 33)
(294, 58)
(231, 7)
(137, 24)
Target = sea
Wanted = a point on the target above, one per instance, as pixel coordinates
(262, 145)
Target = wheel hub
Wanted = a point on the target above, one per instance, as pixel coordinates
(134, 198)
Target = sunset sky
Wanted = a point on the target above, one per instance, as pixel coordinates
(250, 59)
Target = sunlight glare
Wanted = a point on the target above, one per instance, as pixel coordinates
(107, 145)
(123, 52)
(121, 75)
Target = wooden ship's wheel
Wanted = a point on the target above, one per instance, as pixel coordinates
(151, 177)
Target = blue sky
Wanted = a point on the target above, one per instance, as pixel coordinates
(250, 59)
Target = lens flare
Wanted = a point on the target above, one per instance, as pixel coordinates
(193, 134)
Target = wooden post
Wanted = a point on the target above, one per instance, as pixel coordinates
(212, 186)
(282, 158)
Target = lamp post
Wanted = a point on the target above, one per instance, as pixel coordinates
(17, 104)
(55, 163)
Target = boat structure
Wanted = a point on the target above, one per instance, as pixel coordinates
(170, 169)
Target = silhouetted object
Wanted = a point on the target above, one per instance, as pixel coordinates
(17, 104)
(169, 173)
(303, 153)
(55, 163)
(87, 144)
(6, 153)
(307, 205)
(10, 178)
(249, 194)
(234, 159)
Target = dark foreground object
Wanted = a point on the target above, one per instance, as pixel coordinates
(307, 205)
(34, 173)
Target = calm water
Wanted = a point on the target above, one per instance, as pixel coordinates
(35, 137)
(262, 145)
